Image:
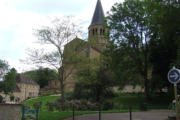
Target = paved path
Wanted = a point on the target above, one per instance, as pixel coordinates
(149, 115)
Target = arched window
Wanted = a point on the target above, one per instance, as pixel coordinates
(93, 31)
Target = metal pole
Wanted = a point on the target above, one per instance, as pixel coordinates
(176, 98)
(130, 112)
(99, 112)
(73, 111)
(37, 112)
(23, 108)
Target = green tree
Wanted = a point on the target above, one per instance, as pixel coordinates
(94, 79)
(9, 82)
(129, 51)
(165, 31)
(42, 76)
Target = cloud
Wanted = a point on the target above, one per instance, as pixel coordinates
(20, 17)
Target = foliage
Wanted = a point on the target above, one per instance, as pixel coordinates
(9, 82)
(164, 41)
(129, 50)
(3, 68)
(1, 99)
(30, 117)
(50, 106)
(37, 104)
(12, 97)
(42, 76)
(94, 80)
(49, 92)
(43, 99)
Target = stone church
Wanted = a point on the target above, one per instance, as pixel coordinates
(97, 41)
(98, 37)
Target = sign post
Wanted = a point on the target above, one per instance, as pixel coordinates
(25, 111)
(174, 78)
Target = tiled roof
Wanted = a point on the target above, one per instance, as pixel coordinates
(98, 16)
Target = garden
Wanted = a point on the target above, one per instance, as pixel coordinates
(49, 107)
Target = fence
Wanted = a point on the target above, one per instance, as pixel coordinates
(26, 111)
(95, 115)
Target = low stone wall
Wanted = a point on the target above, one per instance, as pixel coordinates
(10, 111)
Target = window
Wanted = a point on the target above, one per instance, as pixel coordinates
(100, 31)
(96, 31)
(103, 31)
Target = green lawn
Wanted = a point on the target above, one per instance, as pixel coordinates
(121, 104)
(43, 99)
(123, 101)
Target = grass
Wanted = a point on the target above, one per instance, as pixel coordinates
(43, 99)
(121, 104)
(124, 101)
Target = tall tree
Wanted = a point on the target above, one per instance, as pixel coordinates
(61, 32)
(128, 22)
(165, 29)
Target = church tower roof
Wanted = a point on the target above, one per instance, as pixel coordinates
(98, 14)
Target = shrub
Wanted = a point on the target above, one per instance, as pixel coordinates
(107, 105)
(50, 106)
(30, 117)
(1, 99)
(37, 104)
(69, 95)
(143, 106)
(12, 97)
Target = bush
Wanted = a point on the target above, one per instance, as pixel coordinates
(1, 99)
(12, 97)
(37, 104)
(107, 105)
(69, 95)
(30, 117)
(50, 106)
(143, 106)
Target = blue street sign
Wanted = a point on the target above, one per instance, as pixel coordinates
(174, 75)
(30, 112)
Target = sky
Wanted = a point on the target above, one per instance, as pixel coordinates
(19, 19)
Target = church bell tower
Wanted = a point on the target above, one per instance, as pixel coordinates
(97, 31)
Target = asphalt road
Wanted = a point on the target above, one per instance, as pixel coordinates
(149, 115)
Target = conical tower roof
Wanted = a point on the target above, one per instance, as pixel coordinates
(98, 14)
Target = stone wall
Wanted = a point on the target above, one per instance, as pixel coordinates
(10, 111)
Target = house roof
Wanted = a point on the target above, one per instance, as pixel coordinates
(98, 16)
(24, 79)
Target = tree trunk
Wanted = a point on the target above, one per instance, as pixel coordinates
(146, 82)
(61, 88)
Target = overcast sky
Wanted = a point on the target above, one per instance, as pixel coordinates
(18, 19)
